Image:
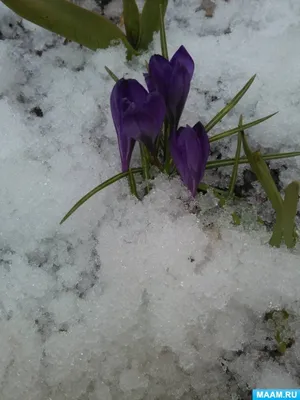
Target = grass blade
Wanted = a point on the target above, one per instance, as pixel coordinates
(97, 189)
(221, 114)
(230, 132)
(163, 37)
(244, 160)
(219, 193)
(145, 165)
(276, 238)
(236, 161)
(131, 17)
(111, 74)
(132, 183)
(289, 212)
(263, 174)
(71, 21)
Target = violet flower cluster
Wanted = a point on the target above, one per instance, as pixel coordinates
(139, 116)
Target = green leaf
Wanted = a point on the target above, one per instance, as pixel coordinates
(244, 160)
(111, 74)
(150, 21)
(277, 234)
(236, 161)
(163, 36)
(263, 174)
(131, 17)
(282, 347)
(221, 114)
(289, 212)
(236, 220)
(132, 183)
(71, 21)
(219, 193)
(97, 189)
(231, 132)
(145, 165)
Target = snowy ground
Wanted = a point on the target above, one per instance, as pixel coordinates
(151, 300)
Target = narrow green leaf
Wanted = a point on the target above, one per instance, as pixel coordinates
(97, 189)
(132, 183)
(236, 161)
(282, 347)
(219, 193)
(150, 21)
(146, 165)
(236, 219)
(71, 21)
(244, 160)
(111, 74)
(221, 114)
(263, 174)
(277, 234)
(289, 212)
(131, 17)
(231, 132)
(163, 37)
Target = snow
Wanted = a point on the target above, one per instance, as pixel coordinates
(151, 300)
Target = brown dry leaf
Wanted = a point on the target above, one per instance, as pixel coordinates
(121, 23)
(209, 7)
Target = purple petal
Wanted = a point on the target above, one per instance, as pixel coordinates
(132, 90)
(116, 106)
(179, 87)
(183, 58)
(144, 123)
(190, 149)
(159, 75)
(204, 139)
(150, 83)
(172, 80)
(178, 154)
(155, 105)
(123, 97)
(124, 93)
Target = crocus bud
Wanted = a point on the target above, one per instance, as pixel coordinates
(172, 80)
(190, 148)
(137, 115)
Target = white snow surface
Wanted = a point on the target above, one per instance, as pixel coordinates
(146, 300)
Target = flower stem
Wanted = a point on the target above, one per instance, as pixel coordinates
(155, 161)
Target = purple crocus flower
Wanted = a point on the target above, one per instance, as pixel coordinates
(189, 148)
(137, 115)
(172, 80)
